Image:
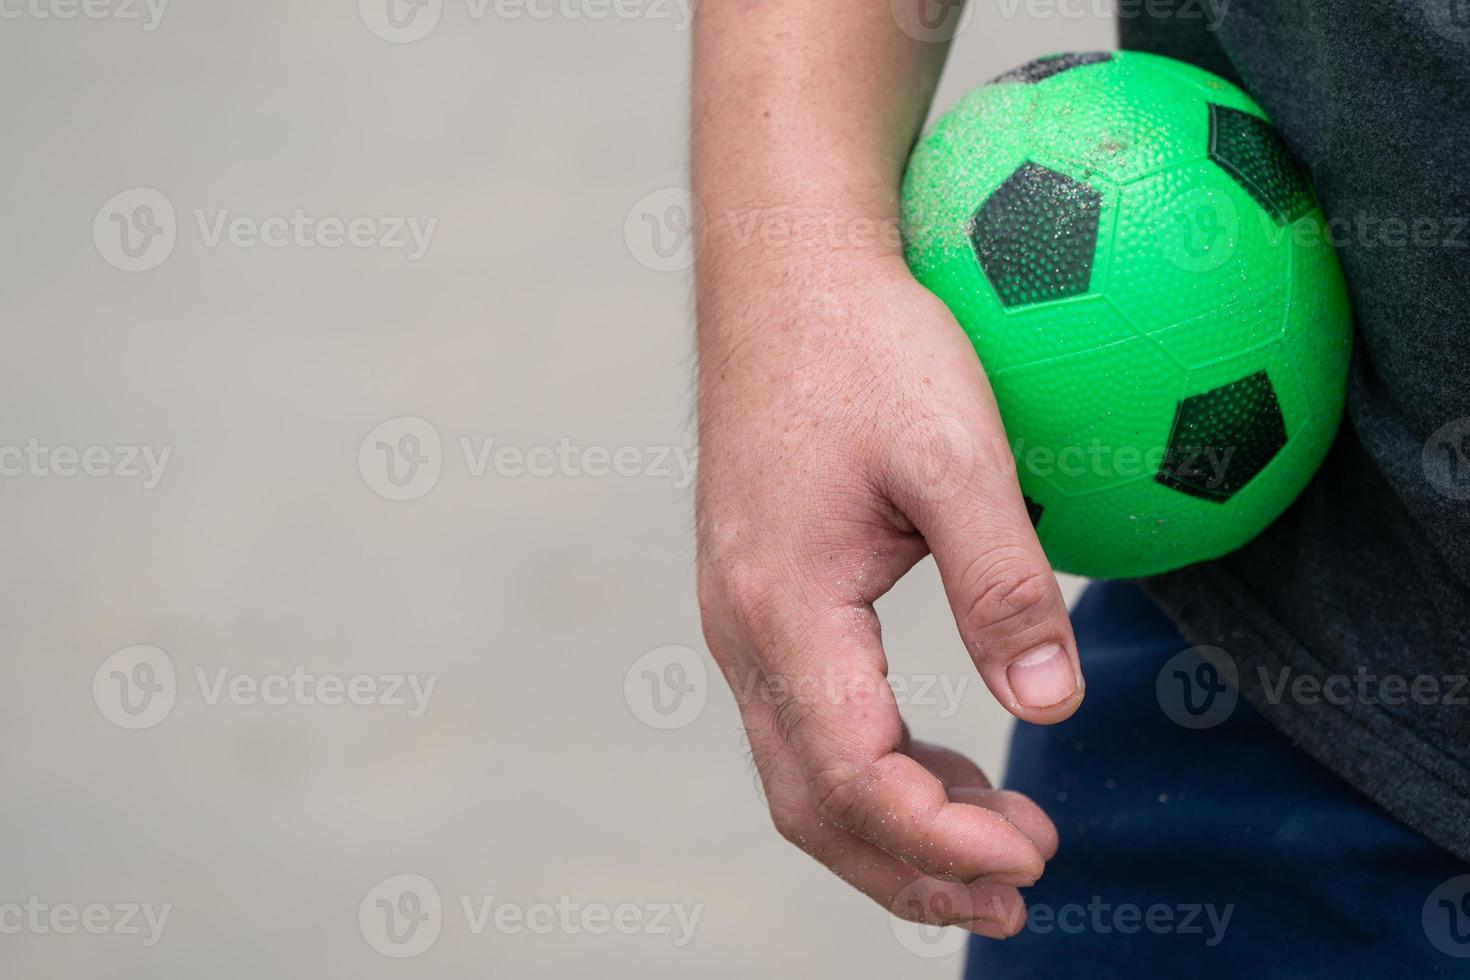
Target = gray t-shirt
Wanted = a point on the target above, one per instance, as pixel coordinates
(1364, 584)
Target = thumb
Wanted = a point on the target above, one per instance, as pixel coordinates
(956, 482)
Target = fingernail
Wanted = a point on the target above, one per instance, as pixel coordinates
(1016, 879)
(1042, 677)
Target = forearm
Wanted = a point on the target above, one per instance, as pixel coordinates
(805, 108)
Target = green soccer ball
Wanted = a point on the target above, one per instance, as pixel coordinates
(1145, 274)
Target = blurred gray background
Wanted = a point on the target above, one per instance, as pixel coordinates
(269, 461)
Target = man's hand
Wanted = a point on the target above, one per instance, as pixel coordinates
(846, 431)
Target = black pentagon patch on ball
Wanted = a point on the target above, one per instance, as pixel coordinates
(1252, 152)
(1222, 438)
(1033, 510)
(1053, 64)
(1036, 234)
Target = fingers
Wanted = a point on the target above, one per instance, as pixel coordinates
(953, 768)
(837, 715)
(1007, 605)
(964, 782)
(1029, 818)
(988, 909)
(1005, 598)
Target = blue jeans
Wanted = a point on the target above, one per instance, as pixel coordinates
(1212, 848)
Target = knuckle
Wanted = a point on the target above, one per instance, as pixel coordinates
(749, 590)
(841, 798)
(739, 600)
(736, 587)
(794, 826)
(1007, 591)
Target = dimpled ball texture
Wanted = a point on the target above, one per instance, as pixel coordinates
(1144, 272)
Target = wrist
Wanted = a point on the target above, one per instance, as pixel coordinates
(759, 249)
